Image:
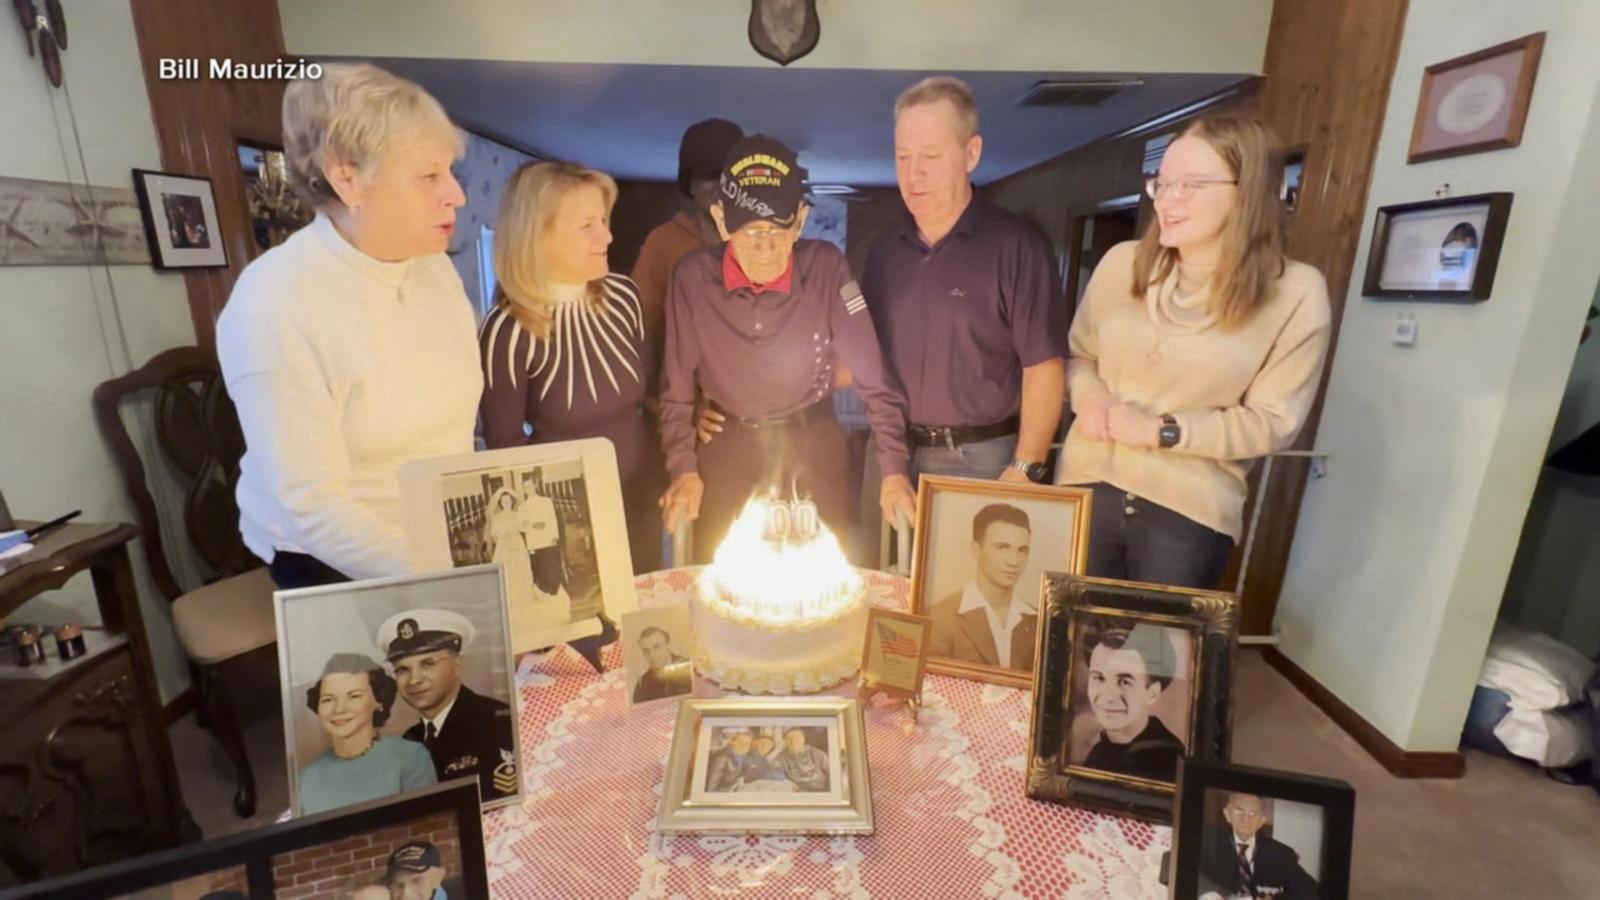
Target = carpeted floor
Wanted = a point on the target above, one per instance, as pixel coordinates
(1503, 831)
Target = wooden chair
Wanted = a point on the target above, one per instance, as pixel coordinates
(225, 624)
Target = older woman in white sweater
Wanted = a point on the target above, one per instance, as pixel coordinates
(351, 348)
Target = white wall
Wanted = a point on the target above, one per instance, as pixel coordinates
(483, 173)
(64, 329)
(995, 35)
(1402, 551)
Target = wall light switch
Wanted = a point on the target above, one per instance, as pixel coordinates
(1404, 332)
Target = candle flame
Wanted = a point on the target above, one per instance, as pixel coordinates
(781, 577)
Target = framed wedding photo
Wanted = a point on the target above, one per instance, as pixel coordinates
(980, 551)
(1445, 249)
(1244, 831)
(1133, 678)
(395, 684)
(1476, 102)
(180, 220)
(768, 766)
(550, 513)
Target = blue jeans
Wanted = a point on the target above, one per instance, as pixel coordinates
(981, 459)
(1134, 539)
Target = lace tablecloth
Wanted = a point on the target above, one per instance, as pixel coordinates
(951, 817)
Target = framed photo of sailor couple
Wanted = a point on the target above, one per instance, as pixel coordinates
(397, 684)
(1133, 679)
(550, 514)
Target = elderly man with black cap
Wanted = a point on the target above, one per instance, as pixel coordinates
(465, 732)
(757, 326)
(415, 871)
(704, 148)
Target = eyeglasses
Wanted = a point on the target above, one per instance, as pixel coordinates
(1246, 813)
(769, 237)
(1181, 189)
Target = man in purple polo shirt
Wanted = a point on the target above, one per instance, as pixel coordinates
(966, 299)
(756, 326)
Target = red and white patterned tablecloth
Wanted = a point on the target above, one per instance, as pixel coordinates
(952, 820)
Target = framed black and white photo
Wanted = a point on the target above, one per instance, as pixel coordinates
(980, 550)
(1133, 678)
(1438, 249)
(1247, 832)
(657, 649)
(180, 220)
(551, 514)
(416, 845)
(768, 766)
(395, 684)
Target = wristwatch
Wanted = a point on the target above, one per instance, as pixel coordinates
(1037, 472)
(1170, 433)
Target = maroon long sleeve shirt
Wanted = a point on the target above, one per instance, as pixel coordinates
(767, 353)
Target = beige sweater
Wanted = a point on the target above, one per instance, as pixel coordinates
(1237, 394)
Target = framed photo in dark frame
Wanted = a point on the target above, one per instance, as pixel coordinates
(1295, 832)
(1445, 249)
(1476, 102)
(180, 220)
(432, 836)
(1131, 679)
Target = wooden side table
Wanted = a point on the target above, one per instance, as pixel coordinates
(86, 769)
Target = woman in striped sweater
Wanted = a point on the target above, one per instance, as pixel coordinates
(564, 351)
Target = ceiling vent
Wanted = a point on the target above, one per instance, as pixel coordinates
(1076, 93)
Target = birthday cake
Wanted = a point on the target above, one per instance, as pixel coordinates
(779, 610)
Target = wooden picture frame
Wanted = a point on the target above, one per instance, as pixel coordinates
(1278, 795)
(1476, 102)
(891, 671)
(1077, 611)
(1446, 249)
(256, 850)
(180, 220)
(1058, 541)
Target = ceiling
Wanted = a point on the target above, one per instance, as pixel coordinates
(627, 119)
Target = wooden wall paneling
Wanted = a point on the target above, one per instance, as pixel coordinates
(199, 123)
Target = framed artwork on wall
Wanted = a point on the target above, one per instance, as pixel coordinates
(1476, 102)
(180, 220)
(1438, 249)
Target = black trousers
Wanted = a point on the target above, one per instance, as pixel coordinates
(298, 570)
(1133, 539)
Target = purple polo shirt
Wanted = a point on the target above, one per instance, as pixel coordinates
(961, 320)
(765, 354)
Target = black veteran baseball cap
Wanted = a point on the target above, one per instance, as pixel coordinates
(423, 631)
(762, 180)
(417, 856)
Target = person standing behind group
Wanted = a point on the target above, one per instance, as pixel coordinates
(1196, 350)
(966, 299)
(702, 151)
(565, 348)
(348, 349)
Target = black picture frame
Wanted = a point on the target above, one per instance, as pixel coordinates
(1066, 601)
(255, 849)
(195, 195)
(1486, 252)
(1196, 777)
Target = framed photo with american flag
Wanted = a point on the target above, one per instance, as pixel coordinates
(895, 657)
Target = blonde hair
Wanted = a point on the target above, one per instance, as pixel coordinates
(943, 87)
(1252, 238)
(527, 210)
(353, 113)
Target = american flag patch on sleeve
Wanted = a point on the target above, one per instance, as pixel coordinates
(854, 301)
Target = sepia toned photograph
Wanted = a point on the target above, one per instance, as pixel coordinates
(550, 514)
(656, 650)
(982, 548)
(395, 684)
(753, 756)
(1132, 698)
(1244, 832)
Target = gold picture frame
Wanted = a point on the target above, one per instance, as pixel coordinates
(886, 667)
(1070, 609)
(943, 539)
(721, 790)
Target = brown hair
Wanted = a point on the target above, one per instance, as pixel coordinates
(1252, 240)
(527, 210)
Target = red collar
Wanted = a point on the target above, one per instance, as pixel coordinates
(733, 277)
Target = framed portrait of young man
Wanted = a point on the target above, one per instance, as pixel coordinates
(396, 684)
(1133, 679)
(656, 649)
(551, 514)
(1242, 831)
(980, 551)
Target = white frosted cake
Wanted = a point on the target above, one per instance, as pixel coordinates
(779, 610)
